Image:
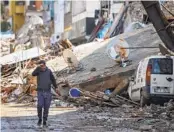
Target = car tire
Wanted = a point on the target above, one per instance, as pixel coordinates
(143, 100)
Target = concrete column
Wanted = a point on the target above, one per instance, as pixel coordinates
(58, 17)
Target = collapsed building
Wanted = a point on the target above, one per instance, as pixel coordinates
(96, 71)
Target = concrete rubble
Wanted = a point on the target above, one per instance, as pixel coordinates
(93, 55)
(107, 73)
(32, 34)
(125, 118)
(102, 83)
(136, 11)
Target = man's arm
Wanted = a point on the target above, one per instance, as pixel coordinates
(36, 71)
(53, 80)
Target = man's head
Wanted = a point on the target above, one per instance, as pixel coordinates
(42, 65)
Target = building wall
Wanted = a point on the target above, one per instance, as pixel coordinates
(78, 6)
(68, 14)
(90, 7)
(82, 18)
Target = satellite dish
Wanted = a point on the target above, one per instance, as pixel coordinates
(116, 48)
(70, 58)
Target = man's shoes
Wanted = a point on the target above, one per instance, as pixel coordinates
(39, 122)
(44, 124)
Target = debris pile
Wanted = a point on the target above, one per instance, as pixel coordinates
(136, 11)
(32, 34)
(32, 27)
(19, 56)
(16, 82)
(168, 9)
(128, 118)
(101, 99)
(16, 88)
(5, 47)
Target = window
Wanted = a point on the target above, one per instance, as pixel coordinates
(162, 66)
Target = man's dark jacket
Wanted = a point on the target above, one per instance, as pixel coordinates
(44, 79)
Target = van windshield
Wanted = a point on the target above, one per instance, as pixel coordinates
(162, 66)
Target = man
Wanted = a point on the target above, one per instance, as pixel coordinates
(45, 78)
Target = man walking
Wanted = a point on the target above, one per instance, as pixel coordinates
(45, 78)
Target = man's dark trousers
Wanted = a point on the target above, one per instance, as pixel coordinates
(44, 101)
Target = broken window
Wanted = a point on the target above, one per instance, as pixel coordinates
(162, 66)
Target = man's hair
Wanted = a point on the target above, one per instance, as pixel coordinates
(42, 62)
(57, 36)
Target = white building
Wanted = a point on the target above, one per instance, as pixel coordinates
(79, 19)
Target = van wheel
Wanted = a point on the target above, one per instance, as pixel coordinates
(143, 101)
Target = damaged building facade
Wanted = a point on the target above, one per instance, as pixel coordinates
(101, 45)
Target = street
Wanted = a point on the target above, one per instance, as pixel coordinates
(89, 119)
(100, 66)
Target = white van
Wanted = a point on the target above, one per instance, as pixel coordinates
(153, 80)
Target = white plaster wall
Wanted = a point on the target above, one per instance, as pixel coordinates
(91, 6)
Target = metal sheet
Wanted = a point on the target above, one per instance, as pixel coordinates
(21, 56)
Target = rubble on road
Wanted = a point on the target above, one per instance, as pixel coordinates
(91, 118)
(150, 118)
(101, 99)
(98, 71)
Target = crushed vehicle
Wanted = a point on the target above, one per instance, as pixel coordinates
(153, 80)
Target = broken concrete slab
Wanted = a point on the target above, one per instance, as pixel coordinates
(33, 21)
(21, 56)
(94, 55)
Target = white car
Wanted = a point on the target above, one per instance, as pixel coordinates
(153, 79)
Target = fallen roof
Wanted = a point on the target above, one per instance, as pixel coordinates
(94, 55)
(21, 56)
